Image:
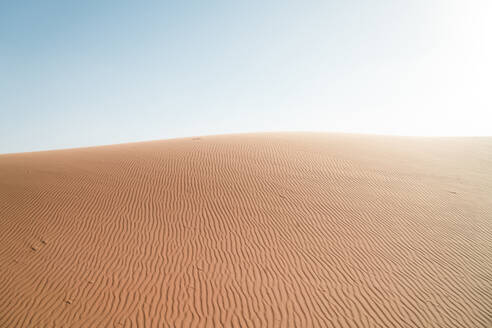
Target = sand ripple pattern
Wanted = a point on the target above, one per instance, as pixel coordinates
(253, 230)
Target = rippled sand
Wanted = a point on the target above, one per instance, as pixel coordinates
(252, 230)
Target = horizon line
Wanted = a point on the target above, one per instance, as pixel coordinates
(376, 134)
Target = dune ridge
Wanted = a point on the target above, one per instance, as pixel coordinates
(250, 230)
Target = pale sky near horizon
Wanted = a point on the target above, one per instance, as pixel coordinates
(82, 73)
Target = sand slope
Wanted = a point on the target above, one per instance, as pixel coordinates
(258, 230)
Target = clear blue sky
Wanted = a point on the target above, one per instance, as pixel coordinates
(79, 73)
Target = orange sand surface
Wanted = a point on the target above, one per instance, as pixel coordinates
(252, 230)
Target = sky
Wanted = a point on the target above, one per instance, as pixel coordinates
(94, 72)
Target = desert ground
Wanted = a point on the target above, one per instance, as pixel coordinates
(249, 230)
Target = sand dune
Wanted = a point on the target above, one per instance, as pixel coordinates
(255, 230)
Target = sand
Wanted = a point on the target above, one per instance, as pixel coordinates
(251, 230)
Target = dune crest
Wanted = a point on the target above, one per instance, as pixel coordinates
(252, 230)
